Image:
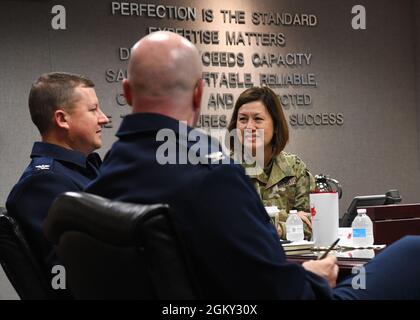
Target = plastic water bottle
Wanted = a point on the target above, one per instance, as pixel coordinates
(294, 227)
(362, 229)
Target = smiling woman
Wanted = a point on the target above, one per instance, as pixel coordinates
(283, 179)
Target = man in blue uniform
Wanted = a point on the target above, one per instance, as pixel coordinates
(160, 158)
(65, 109)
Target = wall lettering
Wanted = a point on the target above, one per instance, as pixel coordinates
(285, 19)
(237, 16)
(317, 119)
(124, 54)
(228, 69)
(220, 101)
(180, 13)
(207, 15)
(212, 121)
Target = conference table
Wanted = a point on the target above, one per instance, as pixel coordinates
(390, 223)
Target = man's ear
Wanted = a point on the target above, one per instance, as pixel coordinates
(127, 92)
(198, 93)
(60, 119)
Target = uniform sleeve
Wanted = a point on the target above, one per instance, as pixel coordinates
(30, 204)
(305, 183)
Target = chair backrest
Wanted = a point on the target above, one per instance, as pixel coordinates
(19, 263)
(117, 250)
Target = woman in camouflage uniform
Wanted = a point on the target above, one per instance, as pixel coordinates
(285, 181)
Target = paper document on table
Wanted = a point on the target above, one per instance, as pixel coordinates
(356, 254)
(298, 245)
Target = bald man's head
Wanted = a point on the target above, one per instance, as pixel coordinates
(163, 73)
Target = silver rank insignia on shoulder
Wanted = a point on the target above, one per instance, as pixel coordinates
(215, 156)
(43, 167)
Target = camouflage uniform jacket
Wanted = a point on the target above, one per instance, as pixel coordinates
(285, 183)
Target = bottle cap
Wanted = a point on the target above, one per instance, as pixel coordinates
(361, 211)
(293, 211)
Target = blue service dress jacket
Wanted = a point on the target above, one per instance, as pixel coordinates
(52, 170)
(234, 249)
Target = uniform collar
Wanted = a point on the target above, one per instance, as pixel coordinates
(138, 123)
(44, 149)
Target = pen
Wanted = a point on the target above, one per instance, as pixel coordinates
(285, 241)
(328, 250)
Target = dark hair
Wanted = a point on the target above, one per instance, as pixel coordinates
(51, 91)
(274, 107)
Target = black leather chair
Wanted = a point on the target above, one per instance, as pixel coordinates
(116, 250)
(20, 264)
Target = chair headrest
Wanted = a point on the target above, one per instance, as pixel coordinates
(10, 229)
(110, 221)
